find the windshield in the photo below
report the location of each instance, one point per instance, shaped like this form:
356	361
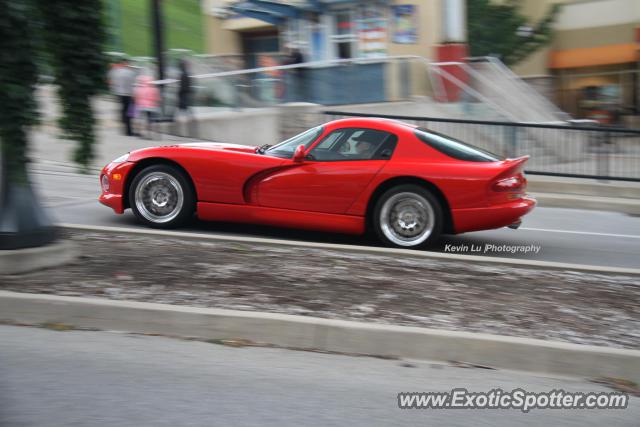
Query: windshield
455	148
285	149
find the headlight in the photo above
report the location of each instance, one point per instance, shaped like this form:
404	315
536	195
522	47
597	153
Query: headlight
104	181
121	159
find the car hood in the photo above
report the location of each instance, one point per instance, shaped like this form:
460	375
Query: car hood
218	146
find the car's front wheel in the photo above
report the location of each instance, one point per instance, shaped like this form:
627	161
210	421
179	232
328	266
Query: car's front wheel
161	196
408	216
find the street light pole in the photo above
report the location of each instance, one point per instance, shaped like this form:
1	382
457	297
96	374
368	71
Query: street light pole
158	46
158	36
115	27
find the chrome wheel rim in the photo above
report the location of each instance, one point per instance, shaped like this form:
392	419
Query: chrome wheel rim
407	219
159	197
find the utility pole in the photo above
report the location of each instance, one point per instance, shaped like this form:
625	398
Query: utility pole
158	35
115	25
158	45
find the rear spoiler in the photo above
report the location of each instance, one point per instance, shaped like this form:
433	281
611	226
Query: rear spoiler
513	165
517	161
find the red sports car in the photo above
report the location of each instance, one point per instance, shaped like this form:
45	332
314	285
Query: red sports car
404	183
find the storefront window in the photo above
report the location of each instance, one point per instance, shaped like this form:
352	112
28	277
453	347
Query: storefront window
372	30
343	36
318	43
359	31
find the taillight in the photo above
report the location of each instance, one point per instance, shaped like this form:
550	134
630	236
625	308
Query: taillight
511	183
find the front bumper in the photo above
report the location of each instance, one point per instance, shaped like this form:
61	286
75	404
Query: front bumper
490	217
116	174
114	201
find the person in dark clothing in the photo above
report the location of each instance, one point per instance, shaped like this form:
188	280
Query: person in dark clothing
297	77
122	79
296	57
184	92
184	99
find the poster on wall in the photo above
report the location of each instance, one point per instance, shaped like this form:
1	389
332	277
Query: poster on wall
405	23
371	32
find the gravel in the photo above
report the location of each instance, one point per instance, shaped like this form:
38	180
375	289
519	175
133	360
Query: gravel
561	305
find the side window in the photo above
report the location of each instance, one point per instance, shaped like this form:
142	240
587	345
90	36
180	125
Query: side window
354	144
285	149
330	140
454	148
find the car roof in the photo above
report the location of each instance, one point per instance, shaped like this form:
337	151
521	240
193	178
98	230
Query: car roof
371	122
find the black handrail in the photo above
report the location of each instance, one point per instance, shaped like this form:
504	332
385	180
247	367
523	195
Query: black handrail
486	122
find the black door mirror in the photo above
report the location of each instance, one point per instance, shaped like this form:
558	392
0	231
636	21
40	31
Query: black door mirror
386	154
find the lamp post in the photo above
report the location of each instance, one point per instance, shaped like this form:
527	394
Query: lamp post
158	36
157	26
115	27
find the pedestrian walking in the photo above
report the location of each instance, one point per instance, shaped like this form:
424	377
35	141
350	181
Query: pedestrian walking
185	93
147	102
122	79
296	76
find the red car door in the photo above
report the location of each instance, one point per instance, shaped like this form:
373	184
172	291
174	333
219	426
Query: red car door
336	172
329	187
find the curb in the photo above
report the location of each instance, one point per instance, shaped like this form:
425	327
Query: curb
366	249
583	187
300	332
598	203
30	259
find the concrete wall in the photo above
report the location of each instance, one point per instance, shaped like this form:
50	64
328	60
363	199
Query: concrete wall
429	28
219	40
577	38
251	126
544	85
536	63
254	126
594	14
580	24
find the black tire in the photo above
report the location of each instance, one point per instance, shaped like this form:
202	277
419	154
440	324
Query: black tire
169	185
419	206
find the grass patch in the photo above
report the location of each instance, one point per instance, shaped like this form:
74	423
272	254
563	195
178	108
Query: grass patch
183	23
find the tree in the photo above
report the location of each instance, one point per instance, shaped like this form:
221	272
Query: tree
71	31
499	29
74	37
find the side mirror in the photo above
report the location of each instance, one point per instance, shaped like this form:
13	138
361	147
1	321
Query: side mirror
386	154
299	154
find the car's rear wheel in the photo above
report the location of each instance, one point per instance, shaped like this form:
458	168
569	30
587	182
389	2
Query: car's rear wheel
408	216
161	196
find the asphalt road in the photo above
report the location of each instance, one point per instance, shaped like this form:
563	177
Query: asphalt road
75	378
563	235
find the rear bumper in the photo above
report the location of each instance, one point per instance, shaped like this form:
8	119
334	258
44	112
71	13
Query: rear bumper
490	217
114	201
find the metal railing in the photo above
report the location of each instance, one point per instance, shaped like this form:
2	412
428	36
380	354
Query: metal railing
340	82
502	83
597	152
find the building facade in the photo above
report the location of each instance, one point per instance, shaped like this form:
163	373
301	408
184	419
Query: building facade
334	29
590	69
266	32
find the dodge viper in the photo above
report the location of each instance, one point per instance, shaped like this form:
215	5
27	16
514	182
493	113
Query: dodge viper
406	184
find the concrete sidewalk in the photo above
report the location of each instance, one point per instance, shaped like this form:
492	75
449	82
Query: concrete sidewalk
315	334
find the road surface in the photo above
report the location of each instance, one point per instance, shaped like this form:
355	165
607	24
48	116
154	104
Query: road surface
563	235
79	378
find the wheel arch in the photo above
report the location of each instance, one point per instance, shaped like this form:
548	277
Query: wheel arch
427	185
150	161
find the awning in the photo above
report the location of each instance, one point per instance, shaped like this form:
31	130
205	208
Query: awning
271	11
251	10
245	24
594	56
